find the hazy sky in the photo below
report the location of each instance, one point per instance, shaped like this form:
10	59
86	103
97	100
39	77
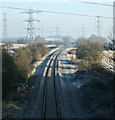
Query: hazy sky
68	24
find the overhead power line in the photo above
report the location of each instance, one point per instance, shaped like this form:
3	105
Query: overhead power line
75	14
92	3
13	8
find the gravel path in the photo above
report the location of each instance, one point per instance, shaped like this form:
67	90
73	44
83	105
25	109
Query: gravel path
71	106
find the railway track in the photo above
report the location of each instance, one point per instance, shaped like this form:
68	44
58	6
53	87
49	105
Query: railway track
42	101
49	92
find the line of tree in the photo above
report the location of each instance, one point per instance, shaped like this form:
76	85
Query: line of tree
16	66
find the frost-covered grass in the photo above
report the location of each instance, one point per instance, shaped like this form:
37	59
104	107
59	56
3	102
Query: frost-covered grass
108	60
97	92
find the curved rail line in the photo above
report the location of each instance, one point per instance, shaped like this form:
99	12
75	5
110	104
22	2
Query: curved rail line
34	109
52	61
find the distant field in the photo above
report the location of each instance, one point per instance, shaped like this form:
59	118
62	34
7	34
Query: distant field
16	46
50	46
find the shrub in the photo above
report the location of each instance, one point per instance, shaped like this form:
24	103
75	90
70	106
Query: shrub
91	53
23	59
41	48
35	53
9	73
16	66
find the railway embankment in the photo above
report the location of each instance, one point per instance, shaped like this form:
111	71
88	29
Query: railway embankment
15	107
96	87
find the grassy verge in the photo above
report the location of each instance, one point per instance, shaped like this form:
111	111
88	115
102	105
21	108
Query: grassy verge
97	92
16	104
97	82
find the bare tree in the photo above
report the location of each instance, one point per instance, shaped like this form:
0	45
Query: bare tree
66	41
112	42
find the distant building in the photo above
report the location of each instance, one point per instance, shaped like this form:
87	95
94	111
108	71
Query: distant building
114	20
53	39
50	39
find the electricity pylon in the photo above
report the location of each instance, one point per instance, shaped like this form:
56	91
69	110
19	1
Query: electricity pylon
30	27
5	28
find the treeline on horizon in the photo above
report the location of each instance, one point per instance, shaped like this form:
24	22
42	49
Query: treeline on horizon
16	66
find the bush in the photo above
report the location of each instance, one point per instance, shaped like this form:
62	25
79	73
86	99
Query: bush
91	53
9	73
23	59
41	49
17	66
35	53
